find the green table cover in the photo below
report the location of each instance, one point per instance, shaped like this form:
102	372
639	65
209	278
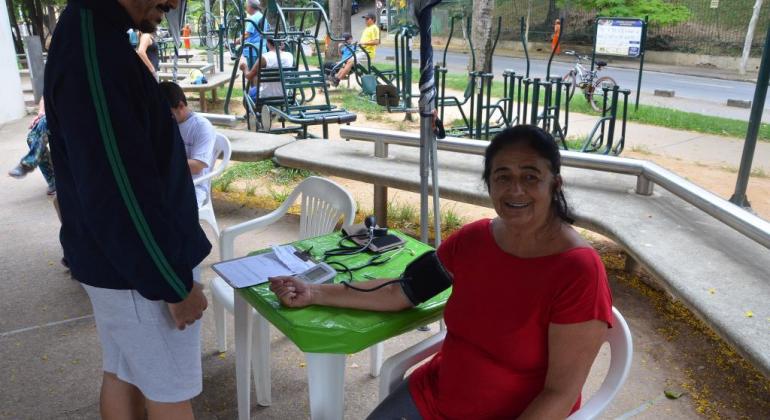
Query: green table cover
322	329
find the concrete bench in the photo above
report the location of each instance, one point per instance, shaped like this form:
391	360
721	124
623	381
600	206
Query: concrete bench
220	119
719	273
249	146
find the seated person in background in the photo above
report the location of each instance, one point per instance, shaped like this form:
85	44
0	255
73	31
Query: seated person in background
269	60
530	303
370	39
198	136
346	49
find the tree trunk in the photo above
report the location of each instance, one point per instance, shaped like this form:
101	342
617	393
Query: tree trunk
481	34
15	32
35	17
50	21
750	36
339	14
552	15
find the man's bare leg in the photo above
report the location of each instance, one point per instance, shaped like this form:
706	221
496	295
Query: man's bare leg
171	411
120	400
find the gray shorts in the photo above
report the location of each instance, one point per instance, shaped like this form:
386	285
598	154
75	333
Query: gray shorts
142	346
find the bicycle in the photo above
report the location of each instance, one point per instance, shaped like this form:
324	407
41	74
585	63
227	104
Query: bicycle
588	81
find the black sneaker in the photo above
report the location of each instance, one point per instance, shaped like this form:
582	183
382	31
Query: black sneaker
20	171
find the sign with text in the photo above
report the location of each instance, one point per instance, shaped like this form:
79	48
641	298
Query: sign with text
621	37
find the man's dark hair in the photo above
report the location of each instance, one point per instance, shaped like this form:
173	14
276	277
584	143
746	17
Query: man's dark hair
173	94
544	145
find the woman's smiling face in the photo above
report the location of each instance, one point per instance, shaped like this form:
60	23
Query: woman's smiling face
521	187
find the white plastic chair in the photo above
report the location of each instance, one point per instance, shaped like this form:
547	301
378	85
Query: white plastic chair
323	203
621	353
221	148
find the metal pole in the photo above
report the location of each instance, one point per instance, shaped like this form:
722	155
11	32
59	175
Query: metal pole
755	119
523	32
641	63
428	151
593	50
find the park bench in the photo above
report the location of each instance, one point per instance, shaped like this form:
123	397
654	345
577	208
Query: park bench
722	275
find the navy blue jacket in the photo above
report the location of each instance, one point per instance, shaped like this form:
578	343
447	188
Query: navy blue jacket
129	214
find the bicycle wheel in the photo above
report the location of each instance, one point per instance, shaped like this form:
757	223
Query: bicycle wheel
596	96
208	31
569	81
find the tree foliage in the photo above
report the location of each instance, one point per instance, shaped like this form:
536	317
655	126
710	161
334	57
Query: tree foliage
660	12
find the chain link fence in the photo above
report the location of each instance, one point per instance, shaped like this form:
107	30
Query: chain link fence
708	30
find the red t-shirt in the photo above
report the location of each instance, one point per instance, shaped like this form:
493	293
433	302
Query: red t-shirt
494	359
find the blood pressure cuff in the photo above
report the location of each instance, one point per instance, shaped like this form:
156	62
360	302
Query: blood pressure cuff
424	278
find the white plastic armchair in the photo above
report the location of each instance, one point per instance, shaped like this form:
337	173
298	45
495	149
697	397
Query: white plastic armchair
621	353
323	203
222	150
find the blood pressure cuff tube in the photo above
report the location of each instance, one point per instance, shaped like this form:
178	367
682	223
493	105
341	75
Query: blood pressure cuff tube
424	278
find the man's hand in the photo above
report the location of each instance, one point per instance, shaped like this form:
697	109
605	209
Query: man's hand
291	291
189	310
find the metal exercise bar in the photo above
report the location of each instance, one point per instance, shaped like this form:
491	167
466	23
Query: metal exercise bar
647	174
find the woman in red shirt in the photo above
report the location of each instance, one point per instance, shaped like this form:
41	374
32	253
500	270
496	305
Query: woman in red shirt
530	302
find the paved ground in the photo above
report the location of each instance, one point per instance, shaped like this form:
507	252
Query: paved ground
50	361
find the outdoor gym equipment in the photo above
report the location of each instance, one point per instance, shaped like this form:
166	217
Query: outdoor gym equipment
603	132
299	83
484	117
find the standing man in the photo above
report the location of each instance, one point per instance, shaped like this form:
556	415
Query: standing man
130	227
370	39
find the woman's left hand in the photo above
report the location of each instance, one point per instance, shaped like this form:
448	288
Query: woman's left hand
291	291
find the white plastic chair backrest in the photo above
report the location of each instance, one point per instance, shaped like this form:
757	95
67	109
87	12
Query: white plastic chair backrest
621	353
223	151
221	148
323	203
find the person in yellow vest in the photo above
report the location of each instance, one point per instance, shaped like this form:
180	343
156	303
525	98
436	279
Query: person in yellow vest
370	39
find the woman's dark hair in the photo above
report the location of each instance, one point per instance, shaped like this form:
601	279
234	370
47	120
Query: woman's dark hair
544	145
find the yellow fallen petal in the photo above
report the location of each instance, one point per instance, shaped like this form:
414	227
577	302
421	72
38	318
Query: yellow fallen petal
712	291
222	355
748	314
302	364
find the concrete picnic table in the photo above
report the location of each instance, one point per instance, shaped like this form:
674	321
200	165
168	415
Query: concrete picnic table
214	82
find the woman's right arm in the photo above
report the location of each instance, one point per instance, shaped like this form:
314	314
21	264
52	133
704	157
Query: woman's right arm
145	40
295	293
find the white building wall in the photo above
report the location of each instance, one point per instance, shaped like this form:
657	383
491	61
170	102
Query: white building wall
12	102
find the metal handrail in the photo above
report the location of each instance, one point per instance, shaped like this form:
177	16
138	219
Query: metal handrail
648	174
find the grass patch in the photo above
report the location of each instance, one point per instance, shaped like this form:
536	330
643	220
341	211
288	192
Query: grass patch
242	170
252	170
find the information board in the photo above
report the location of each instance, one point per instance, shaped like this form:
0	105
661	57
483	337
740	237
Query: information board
621	37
